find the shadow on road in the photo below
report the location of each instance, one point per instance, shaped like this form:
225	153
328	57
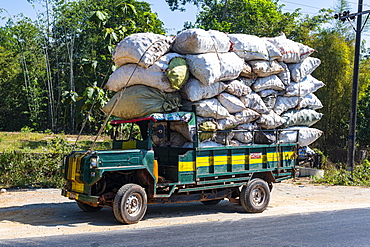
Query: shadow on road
69	214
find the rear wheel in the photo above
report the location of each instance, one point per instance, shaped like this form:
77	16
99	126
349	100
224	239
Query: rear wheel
130	204
88	208
211	202
255	196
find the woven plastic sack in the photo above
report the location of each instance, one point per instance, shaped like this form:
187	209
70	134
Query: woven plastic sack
284	76
211	108
310	101
267	92
291	51
141	48
306	135
224	138
207	126
283	104
299	71
139	100
270	120
302	117
264	137
253	101
270	101
247	71
237	88
231	103
308	85
271	82
194	90
227	123
211	67
249	47
197	41
245	135
177	72
266	68
131	74
246	116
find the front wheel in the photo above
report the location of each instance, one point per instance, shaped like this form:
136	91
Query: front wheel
130	204
255	196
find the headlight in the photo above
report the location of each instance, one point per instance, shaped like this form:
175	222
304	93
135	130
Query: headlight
93	162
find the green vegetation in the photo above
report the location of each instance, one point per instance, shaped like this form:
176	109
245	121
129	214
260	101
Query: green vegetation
33	159
340	176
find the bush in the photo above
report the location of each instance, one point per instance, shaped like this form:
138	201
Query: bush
26	170
340	176
34	170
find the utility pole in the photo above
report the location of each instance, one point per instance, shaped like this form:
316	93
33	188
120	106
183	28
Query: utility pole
353	117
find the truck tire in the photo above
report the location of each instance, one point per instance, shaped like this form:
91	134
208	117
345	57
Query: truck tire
255	196
130	204
88	208
211	202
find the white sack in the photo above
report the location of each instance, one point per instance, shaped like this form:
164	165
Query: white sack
270	82
299	71
224	137
284	76
141	48
131	74
247	71
306	135
267	92
237	88
211	108
227	123
291	51
231	103
270	121
266	68
246	116
308	85
249	47
310	101
254	102
194	90
197	41
245	136
302	117
212	67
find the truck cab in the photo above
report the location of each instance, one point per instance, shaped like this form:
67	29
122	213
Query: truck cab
160	159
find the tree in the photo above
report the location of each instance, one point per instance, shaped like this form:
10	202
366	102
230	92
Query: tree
62	59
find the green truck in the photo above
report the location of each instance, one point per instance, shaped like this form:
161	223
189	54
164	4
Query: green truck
138	171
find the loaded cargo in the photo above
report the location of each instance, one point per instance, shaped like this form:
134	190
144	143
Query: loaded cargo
203	116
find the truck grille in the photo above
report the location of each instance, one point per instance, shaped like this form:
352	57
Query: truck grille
74	172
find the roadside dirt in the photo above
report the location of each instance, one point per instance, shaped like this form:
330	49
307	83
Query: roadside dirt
44	212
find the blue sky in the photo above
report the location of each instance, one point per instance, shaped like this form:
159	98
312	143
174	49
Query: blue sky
174	20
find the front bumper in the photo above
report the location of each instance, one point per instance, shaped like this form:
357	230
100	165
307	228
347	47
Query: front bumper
80	197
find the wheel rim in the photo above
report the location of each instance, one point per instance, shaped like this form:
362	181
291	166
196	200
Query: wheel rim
258	196
133	204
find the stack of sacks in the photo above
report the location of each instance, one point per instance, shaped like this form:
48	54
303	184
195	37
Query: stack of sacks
148	75
238	81
274	88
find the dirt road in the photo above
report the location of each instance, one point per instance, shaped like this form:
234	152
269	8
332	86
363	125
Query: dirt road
43	212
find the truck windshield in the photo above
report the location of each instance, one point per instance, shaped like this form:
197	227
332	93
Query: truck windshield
130	131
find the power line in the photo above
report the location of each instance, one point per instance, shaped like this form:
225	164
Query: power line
304	5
